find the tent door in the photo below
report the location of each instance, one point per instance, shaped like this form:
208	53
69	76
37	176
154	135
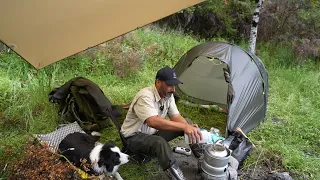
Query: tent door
204	82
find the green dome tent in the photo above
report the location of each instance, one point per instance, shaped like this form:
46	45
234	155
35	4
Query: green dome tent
222	74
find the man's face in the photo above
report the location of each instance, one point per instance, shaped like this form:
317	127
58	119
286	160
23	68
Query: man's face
165	90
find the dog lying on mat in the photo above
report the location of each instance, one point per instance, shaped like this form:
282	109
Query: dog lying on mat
103	158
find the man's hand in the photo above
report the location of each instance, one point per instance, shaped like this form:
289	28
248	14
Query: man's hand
194	134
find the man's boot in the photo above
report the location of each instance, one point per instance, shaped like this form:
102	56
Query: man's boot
174	172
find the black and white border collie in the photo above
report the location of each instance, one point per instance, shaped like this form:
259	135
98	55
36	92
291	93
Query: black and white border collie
103	158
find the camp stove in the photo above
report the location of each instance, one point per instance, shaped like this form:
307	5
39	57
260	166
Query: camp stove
213	163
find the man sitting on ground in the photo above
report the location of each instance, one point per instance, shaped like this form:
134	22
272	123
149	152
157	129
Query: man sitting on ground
147	131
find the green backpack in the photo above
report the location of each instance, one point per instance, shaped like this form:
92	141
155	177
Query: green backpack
83	101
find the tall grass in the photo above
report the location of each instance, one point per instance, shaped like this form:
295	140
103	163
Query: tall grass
124	65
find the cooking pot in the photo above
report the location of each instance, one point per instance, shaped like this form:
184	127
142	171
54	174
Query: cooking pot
216	155
213	171
214	161
217	150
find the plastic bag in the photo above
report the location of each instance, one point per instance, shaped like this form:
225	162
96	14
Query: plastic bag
240	145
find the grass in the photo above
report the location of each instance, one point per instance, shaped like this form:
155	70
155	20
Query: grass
290	133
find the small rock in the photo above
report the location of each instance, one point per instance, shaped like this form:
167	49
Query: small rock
281	176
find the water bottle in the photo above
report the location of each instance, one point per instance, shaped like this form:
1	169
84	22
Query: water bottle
215	135
215	131
206	137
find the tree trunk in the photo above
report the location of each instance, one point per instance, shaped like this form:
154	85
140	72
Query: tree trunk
254	27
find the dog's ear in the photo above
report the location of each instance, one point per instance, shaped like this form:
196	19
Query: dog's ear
103	159
109	167
101	162
106	161
106	157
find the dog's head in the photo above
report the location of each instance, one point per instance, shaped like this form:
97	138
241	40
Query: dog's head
111	158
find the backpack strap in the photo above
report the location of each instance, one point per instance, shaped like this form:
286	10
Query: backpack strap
116	123
140	158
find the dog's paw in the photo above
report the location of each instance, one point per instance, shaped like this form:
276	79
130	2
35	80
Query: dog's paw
96	134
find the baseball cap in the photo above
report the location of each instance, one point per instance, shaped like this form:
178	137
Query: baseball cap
168	75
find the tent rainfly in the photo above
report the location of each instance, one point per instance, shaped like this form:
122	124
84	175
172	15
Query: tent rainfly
43	32
219	73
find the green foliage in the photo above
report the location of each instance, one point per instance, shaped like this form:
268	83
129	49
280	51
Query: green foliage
287	21
231	14
214	18
275	56
311	15
281	22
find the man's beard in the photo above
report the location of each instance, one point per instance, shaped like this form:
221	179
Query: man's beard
165	94
168	95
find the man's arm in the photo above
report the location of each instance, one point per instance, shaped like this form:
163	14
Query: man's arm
146	111
160	123
174	114
177	118
163	124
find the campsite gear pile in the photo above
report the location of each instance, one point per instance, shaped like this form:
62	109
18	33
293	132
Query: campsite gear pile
222	159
